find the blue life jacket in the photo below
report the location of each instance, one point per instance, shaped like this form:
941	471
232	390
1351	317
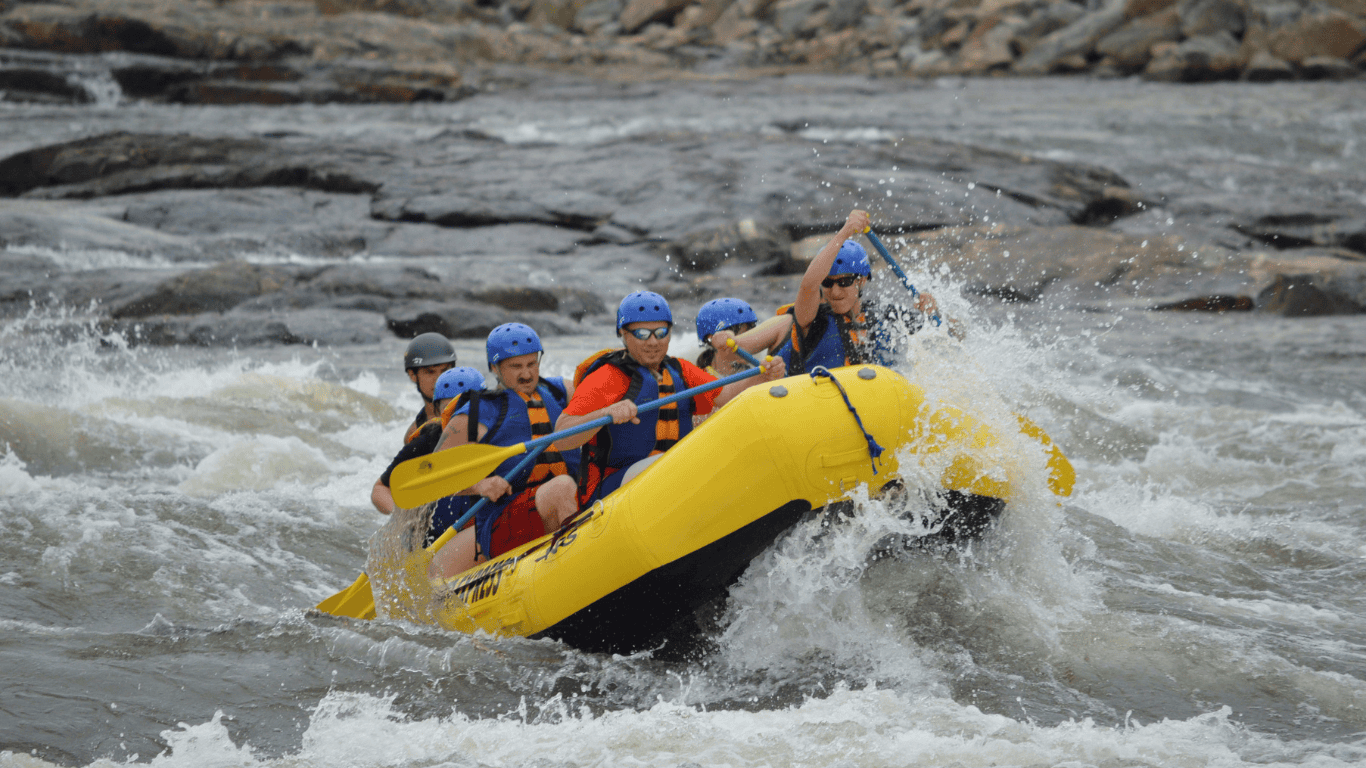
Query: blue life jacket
621	445
832	341
506	417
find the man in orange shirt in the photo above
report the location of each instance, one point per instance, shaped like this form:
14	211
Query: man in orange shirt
613	383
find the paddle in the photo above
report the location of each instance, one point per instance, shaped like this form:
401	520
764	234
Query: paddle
887	257
427	478
358	600
743	353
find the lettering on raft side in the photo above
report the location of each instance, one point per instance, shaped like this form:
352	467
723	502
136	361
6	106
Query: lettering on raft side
484	582
567	535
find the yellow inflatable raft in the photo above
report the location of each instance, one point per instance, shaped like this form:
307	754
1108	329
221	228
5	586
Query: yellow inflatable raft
622	574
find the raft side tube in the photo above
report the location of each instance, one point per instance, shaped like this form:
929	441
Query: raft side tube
677	535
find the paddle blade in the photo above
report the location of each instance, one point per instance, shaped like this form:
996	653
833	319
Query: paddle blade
356	601
1061	475
427	478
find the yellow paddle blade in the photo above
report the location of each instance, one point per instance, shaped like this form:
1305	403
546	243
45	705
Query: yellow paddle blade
427	478
356	601
1061	475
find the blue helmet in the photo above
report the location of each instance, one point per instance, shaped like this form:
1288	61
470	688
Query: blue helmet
457	381
720	314
643	307
851	260
511	340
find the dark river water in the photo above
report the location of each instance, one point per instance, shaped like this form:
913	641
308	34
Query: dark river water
169	516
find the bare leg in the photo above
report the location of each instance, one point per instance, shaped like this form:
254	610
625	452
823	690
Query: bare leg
457	556
557	501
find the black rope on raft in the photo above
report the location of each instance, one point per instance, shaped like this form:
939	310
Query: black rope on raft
874	450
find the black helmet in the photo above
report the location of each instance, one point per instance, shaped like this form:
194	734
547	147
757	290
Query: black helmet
428	349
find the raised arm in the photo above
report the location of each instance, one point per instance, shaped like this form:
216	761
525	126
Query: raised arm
809	293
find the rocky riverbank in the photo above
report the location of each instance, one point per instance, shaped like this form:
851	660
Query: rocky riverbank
269	237
348	51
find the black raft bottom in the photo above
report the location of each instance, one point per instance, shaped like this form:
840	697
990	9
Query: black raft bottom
660	610
657	606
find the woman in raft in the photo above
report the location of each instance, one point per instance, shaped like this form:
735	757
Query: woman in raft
829	325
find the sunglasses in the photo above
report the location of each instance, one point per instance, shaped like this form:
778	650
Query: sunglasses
843	281
645	333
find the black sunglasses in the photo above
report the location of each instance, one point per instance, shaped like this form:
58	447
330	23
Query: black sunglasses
645	333
843	281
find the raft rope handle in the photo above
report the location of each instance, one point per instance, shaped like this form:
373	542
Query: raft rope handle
874	450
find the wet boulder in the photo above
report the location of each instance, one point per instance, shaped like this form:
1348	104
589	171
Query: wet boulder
38	85
452	319
1219	303
121	163
1326	227
575	209
1196	60
1026	263
1263	67
754	247
335	326
1130	47
519	298
1311	295
1076	39
578	303
390	281
1210	17
74	227
216	289
1319	31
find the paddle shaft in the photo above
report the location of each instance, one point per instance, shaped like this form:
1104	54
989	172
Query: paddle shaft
483	501
743	353
891	262
428	478
604	421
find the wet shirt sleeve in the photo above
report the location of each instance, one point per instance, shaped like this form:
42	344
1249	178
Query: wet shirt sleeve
600	389
695	377
425	442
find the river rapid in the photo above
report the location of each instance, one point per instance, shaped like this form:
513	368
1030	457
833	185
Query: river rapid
168	516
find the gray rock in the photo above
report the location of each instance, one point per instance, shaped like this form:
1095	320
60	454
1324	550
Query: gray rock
1209	17
846	13
334	326
594	15
577	303
202	330
38	85
1334	229
72	227
1077	38
454	320
463	209
759	247
1307	295
1266	68
276	220
121	163
1044	21
790	15
1220	303
393	281
519	298
1130	46
218	288
1328	68
1197	59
